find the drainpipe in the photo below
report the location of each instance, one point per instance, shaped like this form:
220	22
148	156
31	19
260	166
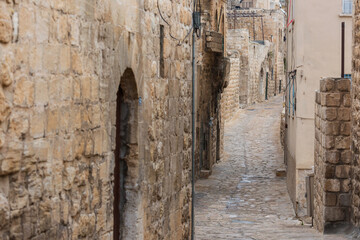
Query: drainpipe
193	137
266	88
196	26
342	49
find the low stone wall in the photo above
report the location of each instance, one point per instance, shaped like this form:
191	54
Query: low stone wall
332	153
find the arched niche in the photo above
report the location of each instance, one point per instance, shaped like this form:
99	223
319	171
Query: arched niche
126	172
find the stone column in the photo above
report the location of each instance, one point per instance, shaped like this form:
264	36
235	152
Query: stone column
332	153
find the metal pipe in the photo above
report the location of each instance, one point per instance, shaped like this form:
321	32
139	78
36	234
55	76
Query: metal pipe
266	84
254	27
262	28
193	131
342	49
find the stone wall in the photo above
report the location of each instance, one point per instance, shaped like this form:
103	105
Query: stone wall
260	61
260	64
265	25
355	128
62	63
231	95
332	153
238	43
211	81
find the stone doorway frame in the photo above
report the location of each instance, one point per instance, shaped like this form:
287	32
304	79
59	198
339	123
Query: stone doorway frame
126	170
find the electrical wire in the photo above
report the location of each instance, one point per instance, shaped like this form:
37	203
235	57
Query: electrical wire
291	83
180	42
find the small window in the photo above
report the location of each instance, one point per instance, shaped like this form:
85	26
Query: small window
348	76
162	36
347	6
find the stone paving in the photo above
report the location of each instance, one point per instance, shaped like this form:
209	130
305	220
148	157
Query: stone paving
243	199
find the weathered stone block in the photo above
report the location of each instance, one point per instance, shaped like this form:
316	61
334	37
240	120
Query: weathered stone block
332	157
344	114
328	141
64	60
330	128
327	84
51	58
333	214
346	100
318	97
10	163
52	121
346	157
345	128
317	134
41	92
5	109
331	99
342	142
5	25
342	171
329	114
329	171
76	61
332	185
345	200
343	85
19	124
345	185
330	199
6	76
24	92
26	23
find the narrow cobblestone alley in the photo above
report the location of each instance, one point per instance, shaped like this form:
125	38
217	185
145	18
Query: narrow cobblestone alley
243	199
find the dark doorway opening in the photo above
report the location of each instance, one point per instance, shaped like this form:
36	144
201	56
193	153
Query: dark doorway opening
218	142
126	221
120	173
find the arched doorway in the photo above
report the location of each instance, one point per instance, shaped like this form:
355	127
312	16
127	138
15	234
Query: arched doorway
126	169
261	85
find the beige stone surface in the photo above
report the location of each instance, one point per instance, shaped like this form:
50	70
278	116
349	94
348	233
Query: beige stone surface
355	116
332	144
258	42
61	65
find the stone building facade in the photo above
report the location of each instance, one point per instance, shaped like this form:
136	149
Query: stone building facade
255	45
95	119
337	196
305	67
355	117
332	198
213	68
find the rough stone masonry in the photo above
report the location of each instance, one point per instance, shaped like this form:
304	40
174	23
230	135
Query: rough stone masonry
332	153
256	49
61	64
355	120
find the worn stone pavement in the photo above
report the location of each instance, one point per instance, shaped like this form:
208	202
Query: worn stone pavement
243	199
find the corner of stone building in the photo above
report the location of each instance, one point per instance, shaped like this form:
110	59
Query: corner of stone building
332	154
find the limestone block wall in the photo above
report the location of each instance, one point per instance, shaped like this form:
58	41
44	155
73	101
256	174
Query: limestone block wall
332	153
260	64
259	60
61	65
266	25
238	43
231	96
210	85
